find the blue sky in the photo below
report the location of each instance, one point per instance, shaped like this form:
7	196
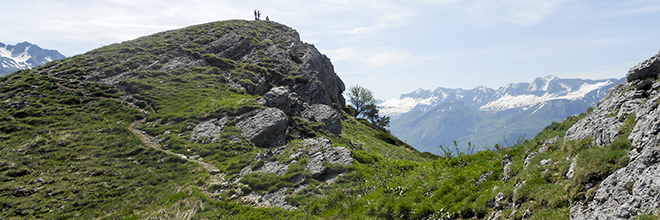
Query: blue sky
390	47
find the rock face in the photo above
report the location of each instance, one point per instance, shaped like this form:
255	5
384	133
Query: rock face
644	70
283	99
326	114
264	128
634	189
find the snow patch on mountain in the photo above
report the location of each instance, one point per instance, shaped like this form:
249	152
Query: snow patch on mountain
515	95
525	101
24	56
396	107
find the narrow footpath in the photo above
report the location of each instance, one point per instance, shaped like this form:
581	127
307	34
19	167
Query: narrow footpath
210	168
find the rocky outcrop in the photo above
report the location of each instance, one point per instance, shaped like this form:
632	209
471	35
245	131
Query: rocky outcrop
212	128
324	86
644	70
321	152
601	124
634	189
326	114
283	99
264	128
318	152
506	163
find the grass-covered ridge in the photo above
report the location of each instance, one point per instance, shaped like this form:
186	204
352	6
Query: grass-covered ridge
67	151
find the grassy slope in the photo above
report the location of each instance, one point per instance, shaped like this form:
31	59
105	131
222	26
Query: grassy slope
70	154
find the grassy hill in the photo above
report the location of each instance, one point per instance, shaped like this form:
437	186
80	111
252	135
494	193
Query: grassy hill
108	135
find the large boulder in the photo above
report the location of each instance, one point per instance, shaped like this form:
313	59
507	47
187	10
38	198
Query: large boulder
326	114
264	128
648	69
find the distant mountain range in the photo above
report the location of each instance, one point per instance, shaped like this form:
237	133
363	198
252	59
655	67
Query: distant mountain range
484	116
24	56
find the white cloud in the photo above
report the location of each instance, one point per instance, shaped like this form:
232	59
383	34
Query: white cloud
342	54
372	58
384	58
487	13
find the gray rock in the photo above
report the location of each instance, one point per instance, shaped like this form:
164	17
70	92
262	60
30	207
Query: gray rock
570	174
601	125
326	114
324	86
321	151
515	191
528	160
506	159
634	189
507	170
644	70
495	215
179	63
266	128
546	162
506	162
548	142
283	99
211	128
527	215
315	165
483	178
498	202
267	167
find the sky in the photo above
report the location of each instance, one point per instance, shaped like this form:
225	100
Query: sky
389	47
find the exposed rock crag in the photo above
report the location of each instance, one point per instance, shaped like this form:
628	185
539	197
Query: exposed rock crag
634	189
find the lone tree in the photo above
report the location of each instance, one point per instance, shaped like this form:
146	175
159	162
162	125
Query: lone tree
361	98
365	104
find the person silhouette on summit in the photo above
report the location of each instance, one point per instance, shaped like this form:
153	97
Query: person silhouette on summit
258	15
267	18
255	15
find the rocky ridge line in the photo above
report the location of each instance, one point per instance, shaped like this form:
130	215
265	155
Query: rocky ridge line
634	189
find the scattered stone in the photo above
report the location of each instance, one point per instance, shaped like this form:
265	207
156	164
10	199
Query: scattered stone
495	215
22	192
506	159
498	202
546	162
527	215
528	160
506	162
549	142
483	178
571	170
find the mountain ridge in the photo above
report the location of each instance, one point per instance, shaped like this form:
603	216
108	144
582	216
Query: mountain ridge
494	119
24	55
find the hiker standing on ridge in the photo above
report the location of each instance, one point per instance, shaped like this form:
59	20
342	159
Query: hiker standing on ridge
258	15
267	18
255	15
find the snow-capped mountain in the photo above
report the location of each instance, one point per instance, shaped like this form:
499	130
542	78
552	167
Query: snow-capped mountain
421	117
24	56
